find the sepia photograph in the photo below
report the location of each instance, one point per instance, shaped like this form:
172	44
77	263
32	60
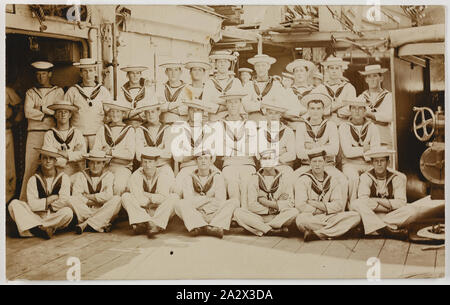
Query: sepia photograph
218	142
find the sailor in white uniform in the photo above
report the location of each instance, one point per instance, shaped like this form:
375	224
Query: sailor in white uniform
88	96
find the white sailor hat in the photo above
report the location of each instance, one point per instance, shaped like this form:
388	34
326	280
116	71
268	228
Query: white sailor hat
134	68
373	69
273	104
151	153
316	152
198	63
316	96
300	63
268	158
117	104
172	63
335	61
97	155
379	152
202	105
145	105
222	55
262	58
230	95
63	104
48	151
357	102
248	70
42	65
85	63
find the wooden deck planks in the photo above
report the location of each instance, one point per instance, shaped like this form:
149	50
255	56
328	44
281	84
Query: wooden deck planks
291	244
419	263
364	249
45	251
439	268
35	259
338	249
393	257
59	266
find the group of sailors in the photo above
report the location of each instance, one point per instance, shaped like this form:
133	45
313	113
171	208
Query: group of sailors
316	162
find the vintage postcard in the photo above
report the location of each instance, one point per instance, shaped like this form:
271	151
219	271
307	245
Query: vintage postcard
179	142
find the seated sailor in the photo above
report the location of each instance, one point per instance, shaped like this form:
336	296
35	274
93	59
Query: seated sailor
92	198
318	197
382	201
270	205
149	204
204	208
47	193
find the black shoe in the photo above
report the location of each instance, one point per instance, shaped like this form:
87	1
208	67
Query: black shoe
310	236
214	231
140	228
398	234
45	233
283	232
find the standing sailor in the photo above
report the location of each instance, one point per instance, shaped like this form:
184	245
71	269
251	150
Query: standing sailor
245	75
171	93
270	204
301	69
66	139
339	89
221	82
48	193
13	115
263	87
357	136
37	100
88	96
134	90
149	204
92	197
379	101
198	69
317	79
204	208
318	198
117	140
